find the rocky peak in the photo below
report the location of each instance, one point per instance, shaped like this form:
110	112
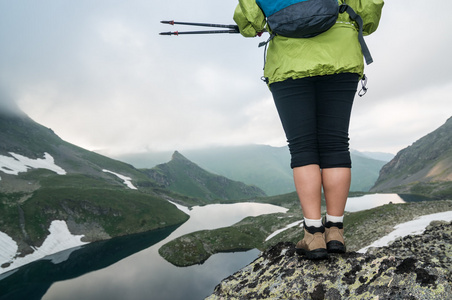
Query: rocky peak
414	267
177	156
177	159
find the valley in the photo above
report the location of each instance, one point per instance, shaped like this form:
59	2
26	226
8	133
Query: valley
55	195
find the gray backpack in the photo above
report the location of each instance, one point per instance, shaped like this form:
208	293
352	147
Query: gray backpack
307	18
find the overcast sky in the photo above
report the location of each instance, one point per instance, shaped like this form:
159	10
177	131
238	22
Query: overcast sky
99	75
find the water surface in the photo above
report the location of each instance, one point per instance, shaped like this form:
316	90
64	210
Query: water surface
131	268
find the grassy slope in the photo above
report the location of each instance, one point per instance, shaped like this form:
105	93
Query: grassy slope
99	209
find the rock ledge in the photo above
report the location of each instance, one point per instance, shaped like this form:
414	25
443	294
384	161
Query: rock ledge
414	267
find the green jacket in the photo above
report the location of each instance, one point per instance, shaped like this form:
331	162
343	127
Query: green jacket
334	51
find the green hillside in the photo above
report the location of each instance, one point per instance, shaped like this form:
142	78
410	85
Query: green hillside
93	202
183	176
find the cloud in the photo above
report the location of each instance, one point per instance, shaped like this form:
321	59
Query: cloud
101	77
7	105
401	120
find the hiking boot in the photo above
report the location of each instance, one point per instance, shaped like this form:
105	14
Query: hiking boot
313	243
334	237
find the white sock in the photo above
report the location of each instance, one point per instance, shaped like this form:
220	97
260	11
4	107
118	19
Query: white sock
335	219
313	222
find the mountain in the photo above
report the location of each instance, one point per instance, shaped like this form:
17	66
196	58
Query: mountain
423	168
365	170
261	165
43	179
51	190
183	176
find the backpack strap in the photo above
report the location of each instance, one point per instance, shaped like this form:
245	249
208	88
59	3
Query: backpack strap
272	35
357	18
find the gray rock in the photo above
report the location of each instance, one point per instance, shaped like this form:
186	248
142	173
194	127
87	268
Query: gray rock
414	267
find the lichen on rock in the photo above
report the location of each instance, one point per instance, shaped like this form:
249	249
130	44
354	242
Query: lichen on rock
414	267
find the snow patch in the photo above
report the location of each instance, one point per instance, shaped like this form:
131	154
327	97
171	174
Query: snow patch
18	163
297	223
416	226
59	239
127	180
8	248
185	209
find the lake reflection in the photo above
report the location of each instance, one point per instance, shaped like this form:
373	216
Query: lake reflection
131	268
32	281
222	215
146	275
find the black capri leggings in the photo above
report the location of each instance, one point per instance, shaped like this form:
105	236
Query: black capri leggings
315	114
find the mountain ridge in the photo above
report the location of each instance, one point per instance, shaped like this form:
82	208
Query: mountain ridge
424	168
261	165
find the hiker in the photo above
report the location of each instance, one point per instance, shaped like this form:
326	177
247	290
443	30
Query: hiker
313	82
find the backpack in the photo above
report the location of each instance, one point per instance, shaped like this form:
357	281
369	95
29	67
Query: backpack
307	18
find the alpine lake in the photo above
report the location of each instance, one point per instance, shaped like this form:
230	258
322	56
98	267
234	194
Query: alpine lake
130	267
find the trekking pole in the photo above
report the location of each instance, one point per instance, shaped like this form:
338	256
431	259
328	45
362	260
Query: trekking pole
197	32
231	28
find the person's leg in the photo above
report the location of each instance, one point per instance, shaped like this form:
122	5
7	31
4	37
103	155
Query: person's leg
308	184
334	106
296	104
336	185
335	100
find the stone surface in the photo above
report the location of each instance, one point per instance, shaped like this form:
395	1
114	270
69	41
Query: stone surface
414	267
